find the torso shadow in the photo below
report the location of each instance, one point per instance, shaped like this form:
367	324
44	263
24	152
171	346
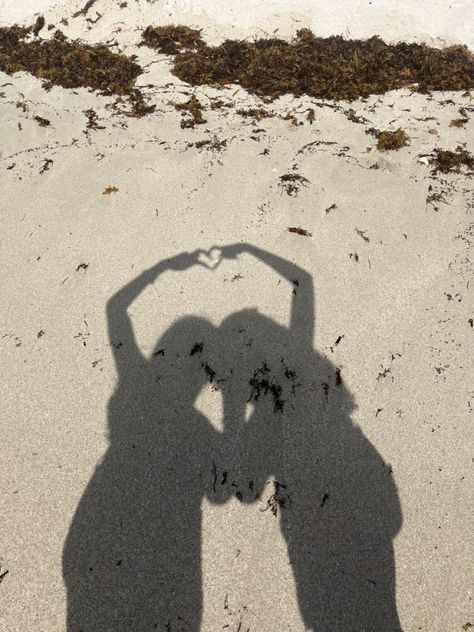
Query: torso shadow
333	493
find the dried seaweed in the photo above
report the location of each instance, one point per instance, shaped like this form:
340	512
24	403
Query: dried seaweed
42	122
171	39
109	189
300	231
263	384
68	64
447	161
89	4
139	105
458	122
38	25
92	118
292	182
392	141
325	68
256	113
310	116
193	108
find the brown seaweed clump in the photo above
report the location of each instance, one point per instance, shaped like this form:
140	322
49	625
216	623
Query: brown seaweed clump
193	108
255	113
458	122
171	39
299	231
292	182
324	68
392	141
447	161
68	64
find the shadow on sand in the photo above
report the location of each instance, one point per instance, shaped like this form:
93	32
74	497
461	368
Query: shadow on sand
132	558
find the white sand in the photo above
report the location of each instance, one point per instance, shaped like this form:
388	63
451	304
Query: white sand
403	307
434	21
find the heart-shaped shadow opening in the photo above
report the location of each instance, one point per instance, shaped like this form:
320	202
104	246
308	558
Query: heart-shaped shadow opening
210	259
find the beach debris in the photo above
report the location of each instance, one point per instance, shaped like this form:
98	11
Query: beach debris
193	108
68	64
256	113
92	118
322	67
325	386
352	115
336	343
435	197
46	165
292	182
209	372
330	208
392	141
71	64
38	25
172	39
139	105
277	499
362	234
201	143
197	348
88	5
458	122
110	189
310	115
42	122
262	384
289	116
447	161
215	145
300	231
218	104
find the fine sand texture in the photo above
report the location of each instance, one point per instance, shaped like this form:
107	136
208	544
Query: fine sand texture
236	352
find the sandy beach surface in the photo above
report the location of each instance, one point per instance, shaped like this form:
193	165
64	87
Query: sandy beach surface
382	352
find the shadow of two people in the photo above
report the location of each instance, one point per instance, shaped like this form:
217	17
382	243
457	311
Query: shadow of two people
132	558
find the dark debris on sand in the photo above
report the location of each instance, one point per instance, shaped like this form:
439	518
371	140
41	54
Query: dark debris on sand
71	64
392	141
447	161
68	64
193	110
324	68
171	39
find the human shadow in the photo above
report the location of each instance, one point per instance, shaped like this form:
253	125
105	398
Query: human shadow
132	557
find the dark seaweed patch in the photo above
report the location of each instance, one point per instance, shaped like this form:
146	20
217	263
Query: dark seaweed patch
325	68
448	161
171	39
68	64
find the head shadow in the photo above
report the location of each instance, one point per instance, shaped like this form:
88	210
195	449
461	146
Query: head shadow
132	558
